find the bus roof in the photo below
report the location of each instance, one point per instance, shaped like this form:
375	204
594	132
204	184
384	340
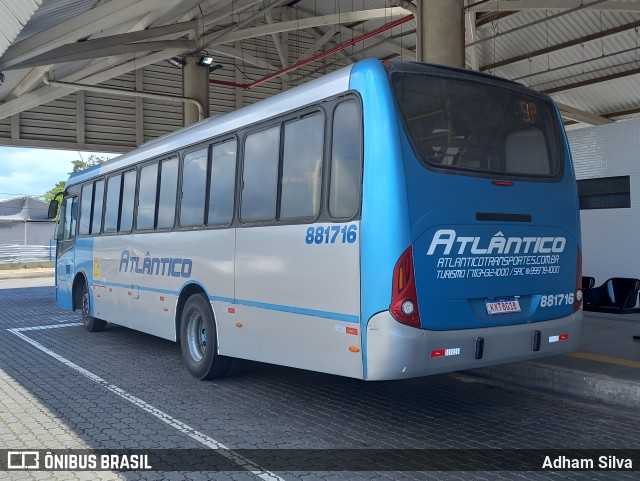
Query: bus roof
326	86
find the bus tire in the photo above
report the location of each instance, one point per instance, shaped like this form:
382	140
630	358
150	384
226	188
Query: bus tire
198	340
92	324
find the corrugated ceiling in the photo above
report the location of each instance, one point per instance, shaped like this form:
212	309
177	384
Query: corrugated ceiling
14	15
51	13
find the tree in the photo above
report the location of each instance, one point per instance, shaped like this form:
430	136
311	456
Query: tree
78	165
57	189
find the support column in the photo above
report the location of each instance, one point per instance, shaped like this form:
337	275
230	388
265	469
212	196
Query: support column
81	135
440	26
195	84
140	107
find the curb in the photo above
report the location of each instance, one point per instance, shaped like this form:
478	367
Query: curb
12	266
573	382
26	275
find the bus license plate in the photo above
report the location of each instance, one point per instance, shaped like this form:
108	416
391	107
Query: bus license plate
503	307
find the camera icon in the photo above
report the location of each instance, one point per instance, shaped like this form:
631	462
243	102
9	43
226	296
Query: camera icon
22	460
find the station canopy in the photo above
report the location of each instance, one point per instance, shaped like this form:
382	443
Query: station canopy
584	53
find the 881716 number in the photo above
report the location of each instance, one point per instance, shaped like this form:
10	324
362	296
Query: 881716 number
556	300
330	234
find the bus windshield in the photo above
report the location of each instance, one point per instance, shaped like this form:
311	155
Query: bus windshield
478	127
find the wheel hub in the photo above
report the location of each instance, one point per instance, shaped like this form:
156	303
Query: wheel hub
197	336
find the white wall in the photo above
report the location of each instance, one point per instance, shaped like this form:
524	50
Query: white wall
37	233
610	237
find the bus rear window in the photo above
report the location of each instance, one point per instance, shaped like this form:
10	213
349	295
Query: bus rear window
477	127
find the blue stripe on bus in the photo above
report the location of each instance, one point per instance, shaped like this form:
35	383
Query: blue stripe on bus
337	316
142	288
300	310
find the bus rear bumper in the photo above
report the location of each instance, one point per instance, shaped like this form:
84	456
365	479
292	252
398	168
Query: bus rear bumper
396	351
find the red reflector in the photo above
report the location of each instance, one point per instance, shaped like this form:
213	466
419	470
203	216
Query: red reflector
564	337
231	310
502	183
353	331
404	299
437	352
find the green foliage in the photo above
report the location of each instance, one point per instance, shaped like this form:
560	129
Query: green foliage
57	189
78	165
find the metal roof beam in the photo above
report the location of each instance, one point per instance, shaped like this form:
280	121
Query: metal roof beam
135	22
622	113
538	21
561	46
103	16
572	113
185	10
112	51
592	81
277	41
239	54
104	70
348	31
407	4
305	23
500	5
88	75
490	17
212	37
318	32
15	16
388	45
322	41
89	49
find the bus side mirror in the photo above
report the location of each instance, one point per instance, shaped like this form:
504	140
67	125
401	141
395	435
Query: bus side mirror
53	209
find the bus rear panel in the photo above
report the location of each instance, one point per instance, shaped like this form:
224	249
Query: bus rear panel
487	250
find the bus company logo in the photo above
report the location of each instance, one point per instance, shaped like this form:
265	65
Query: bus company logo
156	266
498	244
17	460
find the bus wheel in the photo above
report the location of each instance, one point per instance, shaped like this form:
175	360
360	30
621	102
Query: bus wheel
90	323
198	340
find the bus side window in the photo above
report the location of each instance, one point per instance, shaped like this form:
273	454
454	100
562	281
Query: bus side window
71	218
147	191
194	184
167	194
59	230
302	167
98	198
85	208
65	219
113	201
128	200
346	161
260	175
223	182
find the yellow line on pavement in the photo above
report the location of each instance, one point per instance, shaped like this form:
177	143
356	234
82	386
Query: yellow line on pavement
589	356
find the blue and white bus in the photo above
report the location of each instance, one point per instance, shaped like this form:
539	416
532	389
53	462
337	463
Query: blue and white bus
377	223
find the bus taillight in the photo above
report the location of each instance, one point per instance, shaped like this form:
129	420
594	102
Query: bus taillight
577	303
404	300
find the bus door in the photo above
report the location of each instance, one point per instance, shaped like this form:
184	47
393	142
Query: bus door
65	252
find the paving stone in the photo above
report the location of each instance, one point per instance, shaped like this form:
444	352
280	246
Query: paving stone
45	404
